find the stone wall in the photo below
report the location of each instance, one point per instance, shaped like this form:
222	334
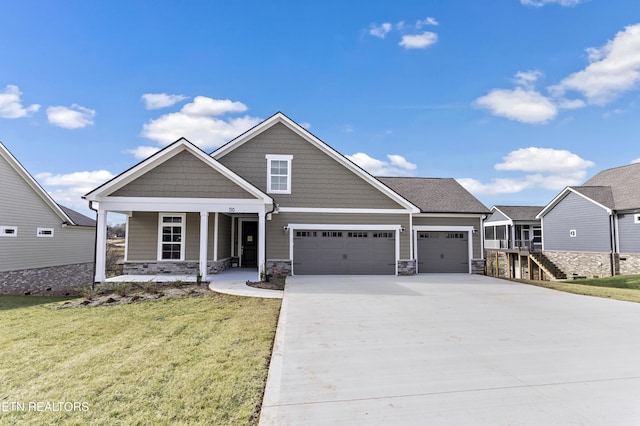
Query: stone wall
582	263
217	266
54	280
477	266
406	267
497	263
174	268
629	264
283	266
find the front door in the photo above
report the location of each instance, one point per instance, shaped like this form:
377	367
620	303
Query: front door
249	243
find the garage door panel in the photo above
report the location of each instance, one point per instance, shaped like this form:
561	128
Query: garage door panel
343	252
443	252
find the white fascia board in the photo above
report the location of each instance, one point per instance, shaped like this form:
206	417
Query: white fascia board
303	133
151	204
340	210
443	228
39	190
166	154
342	227
463	215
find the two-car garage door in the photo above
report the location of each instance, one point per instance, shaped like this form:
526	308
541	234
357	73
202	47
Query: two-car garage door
344	252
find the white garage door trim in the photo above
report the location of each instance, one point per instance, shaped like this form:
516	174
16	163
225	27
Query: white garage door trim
342	227
469	229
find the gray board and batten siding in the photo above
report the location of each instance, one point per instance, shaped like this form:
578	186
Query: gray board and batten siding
26	210
183	176
317	180
575	213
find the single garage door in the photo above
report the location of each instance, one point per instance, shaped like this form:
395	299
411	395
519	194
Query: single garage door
443	251
343	252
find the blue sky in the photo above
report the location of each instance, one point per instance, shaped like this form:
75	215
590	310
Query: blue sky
514	98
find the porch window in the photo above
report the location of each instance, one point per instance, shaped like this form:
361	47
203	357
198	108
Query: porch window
279	174
171	236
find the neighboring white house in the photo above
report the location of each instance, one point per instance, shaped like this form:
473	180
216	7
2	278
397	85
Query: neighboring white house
45	248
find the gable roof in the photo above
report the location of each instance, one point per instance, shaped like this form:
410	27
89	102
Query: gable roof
163	155
519	213
435	195
37	189
598	195
623	182
279	117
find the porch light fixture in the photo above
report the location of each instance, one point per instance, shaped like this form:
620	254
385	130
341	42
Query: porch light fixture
401	228
285	229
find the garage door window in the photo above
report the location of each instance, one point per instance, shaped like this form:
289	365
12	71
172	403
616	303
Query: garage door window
383	235
306	234
358	234
332	234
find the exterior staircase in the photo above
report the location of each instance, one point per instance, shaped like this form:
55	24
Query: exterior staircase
548	266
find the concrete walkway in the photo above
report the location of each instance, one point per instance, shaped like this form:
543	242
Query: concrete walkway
450	350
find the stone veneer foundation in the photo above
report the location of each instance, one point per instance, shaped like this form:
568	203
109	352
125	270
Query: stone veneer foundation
629	264
174	268
582	263
52	281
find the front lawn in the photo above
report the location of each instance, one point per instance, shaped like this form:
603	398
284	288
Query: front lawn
200	360
624	287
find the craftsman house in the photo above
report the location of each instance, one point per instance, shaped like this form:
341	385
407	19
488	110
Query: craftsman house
278	198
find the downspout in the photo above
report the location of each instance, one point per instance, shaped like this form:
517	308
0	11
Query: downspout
273	209
482	219
95	249
612	236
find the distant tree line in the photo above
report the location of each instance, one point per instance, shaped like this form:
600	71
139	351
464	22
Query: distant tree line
116	231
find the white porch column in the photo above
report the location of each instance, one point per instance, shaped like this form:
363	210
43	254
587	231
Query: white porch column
262	241
101	247
204	243
215	236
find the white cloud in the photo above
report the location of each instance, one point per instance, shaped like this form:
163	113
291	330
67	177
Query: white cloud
527	79
161	100
524	105
545	168
196	121
426	21
637	160
11	106
68	189
534	159
305	125
74	117
203	105
418	41
143	152
381	30
396	166
613	69
540	3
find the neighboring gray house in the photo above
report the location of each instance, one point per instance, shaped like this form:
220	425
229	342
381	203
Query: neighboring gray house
45	248
594	229
513	227
277	197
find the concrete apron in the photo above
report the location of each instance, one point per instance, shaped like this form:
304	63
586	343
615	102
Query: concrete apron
457	349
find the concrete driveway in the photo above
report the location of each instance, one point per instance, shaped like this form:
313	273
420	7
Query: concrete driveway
450	349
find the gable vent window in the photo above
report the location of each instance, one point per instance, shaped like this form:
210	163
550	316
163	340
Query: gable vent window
279	174
45	232
8	231
636	218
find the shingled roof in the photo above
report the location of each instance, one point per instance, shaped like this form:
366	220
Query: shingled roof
435	195
623	183
78	218
520	213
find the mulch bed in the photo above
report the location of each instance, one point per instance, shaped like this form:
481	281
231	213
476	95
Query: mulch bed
273	284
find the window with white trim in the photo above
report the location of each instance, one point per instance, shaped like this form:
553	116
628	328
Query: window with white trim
279	174
8	231
44	233
171	236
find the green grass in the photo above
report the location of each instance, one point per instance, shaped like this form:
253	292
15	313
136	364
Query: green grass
200	360
619	287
